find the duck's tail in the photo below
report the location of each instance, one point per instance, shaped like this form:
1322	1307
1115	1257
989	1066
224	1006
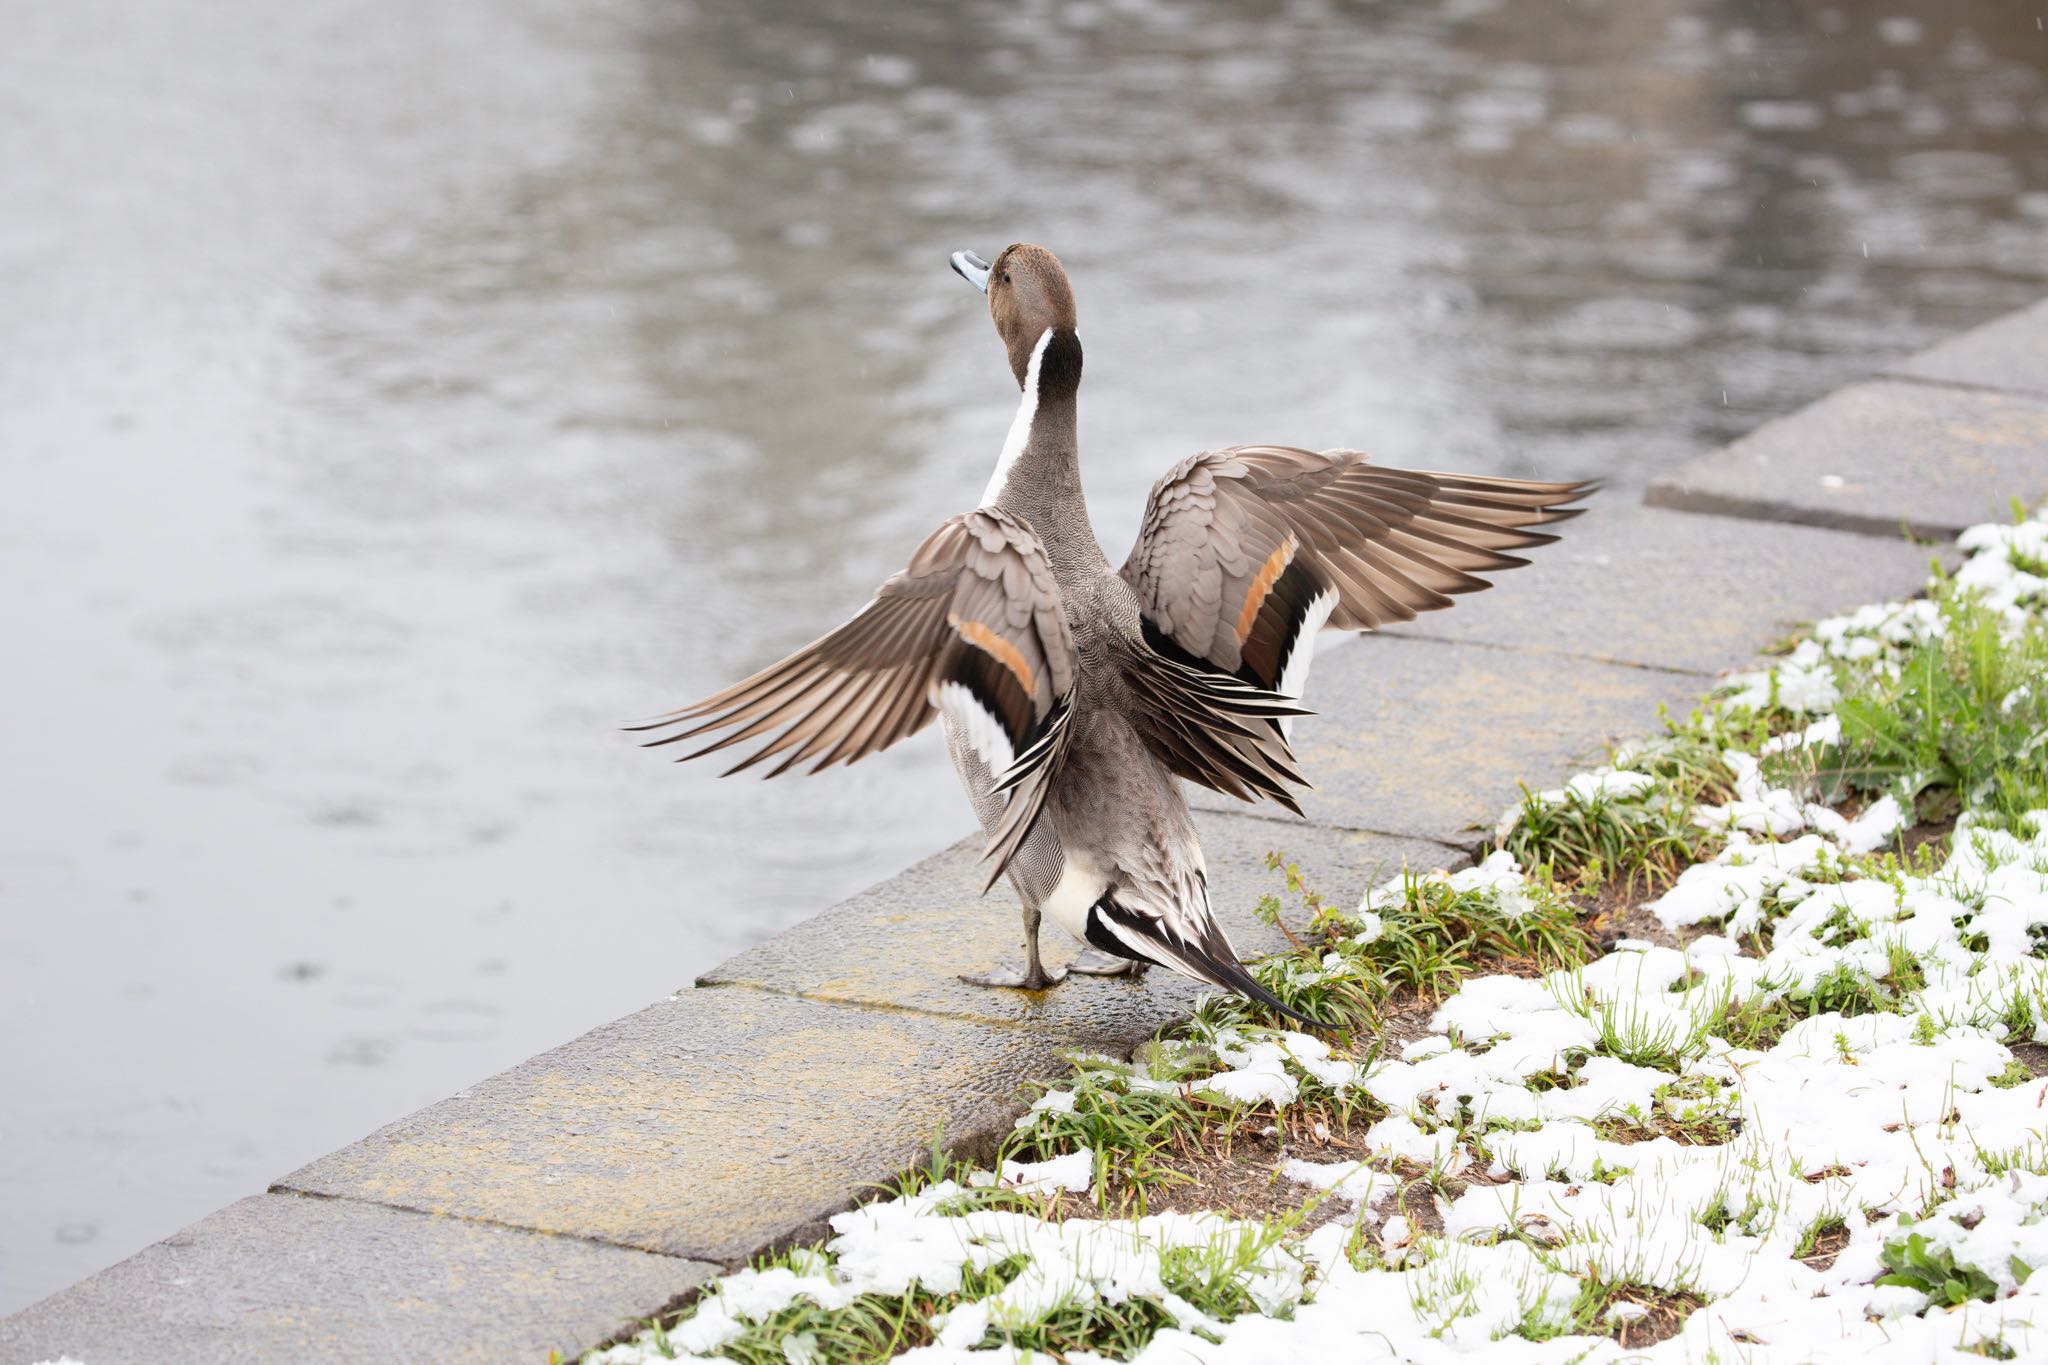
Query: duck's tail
1192	944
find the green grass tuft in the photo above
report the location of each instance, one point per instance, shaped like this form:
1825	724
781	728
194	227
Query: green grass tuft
1962	714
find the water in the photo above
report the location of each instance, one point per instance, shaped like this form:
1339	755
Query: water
395	396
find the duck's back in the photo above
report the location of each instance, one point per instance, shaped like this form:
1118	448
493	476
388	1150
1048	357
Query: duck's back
1113	802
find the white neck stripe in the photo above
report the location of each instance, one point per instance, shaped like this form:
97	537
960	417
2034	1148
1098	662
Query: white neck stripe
1020	426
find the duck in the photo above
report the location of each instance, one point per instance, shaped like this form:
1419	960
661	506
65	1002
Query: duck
1076	696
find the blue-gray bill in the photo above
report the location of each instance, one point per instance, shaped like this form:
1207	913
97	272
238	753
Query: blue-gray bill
971	268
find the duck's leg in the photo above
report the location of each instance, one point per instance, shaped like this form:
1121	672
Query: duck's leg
1095	962
1034	977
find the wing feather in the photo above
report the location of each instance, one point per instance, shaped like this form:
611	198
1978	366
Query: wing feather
974	620
1245	552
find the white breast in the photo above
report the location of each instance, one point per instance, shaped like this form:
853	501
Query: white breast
1081	884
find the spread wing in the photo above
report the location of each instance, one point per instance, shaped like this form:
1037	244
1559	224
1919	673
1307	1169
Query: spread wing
1246	553
973	626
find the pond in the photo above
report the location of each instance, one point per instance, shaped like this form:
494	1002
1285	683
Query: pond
396	397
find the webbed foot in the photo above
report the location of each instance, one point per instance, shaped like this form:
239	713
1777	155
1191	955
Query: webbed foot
1095	962
1032	978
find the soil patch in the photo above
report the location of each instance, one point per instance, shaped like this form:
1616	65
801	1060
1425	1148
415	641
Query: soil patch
1664	1319
1934	837
2032	1056
1827	1244
1616	912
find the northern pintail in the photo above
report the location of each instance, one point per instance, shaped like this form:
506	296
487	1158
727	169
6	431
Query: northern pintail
1075	695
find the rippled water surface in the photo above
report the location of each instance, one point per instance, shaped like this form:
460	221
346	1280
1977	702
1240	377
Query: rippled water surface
394	396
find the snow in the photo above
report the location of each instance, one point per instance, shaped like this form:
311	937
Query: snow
1804	683
1073	1172
1736	883
1591	1126
1255	1075
1356	1182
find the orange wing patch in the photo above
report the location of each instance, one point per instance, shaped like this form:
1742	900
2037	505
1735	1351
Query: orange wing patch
996	647
1262	584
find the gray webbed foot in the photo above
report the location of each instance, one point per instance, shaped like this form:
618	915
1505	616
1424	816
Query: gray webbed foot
1032	978
1095	962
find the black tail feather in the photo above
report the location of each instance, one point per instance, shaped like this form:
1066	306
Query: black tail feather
1233	975
1115	929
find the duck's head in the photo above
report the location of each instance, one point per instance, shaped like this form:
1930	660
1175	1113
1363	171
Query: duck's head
1028	296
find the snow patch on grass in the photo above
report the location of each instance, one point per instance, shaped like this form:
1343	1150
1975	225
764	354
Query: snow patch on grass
1581	1157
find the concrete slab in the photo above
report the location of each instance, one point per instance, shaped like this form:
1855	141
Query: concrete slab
2008	353
707	1126
1644	585
905	942
281	1277
1877	458
1427	739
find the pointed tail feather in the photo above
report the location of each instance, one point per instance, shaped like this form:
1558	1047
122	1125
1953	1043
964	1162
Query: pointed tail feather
1234	976
1206	957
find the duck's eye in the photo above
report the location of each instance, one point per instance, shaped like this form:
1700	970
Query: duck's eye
1006	277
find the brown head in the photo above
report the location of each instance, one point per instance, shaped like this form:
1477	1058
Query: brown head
1028	295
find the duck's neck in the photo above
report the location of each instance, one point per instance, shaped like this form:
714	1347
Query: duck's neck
1038	476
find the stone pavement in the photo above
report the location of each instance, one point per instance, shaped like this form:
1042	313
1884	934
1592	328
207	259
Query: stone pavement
549	1207
1884	458
283	1277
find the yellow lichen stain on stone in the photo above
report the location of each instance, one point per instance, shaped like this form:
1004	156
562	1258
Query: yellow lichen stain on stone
950	942
871	1060
702	1141
628	1195
1441	757
2019	429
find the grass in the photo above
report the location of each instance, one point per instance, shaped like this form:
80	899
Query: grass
1948	722
1349	968
1694	1111
871	1328
1643	1039
1581	842
1849	992
1429	934
2030	1157
1211	1277
1962	714
1589	838
1142	1126
1757	1022
2014	1076
875	1327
